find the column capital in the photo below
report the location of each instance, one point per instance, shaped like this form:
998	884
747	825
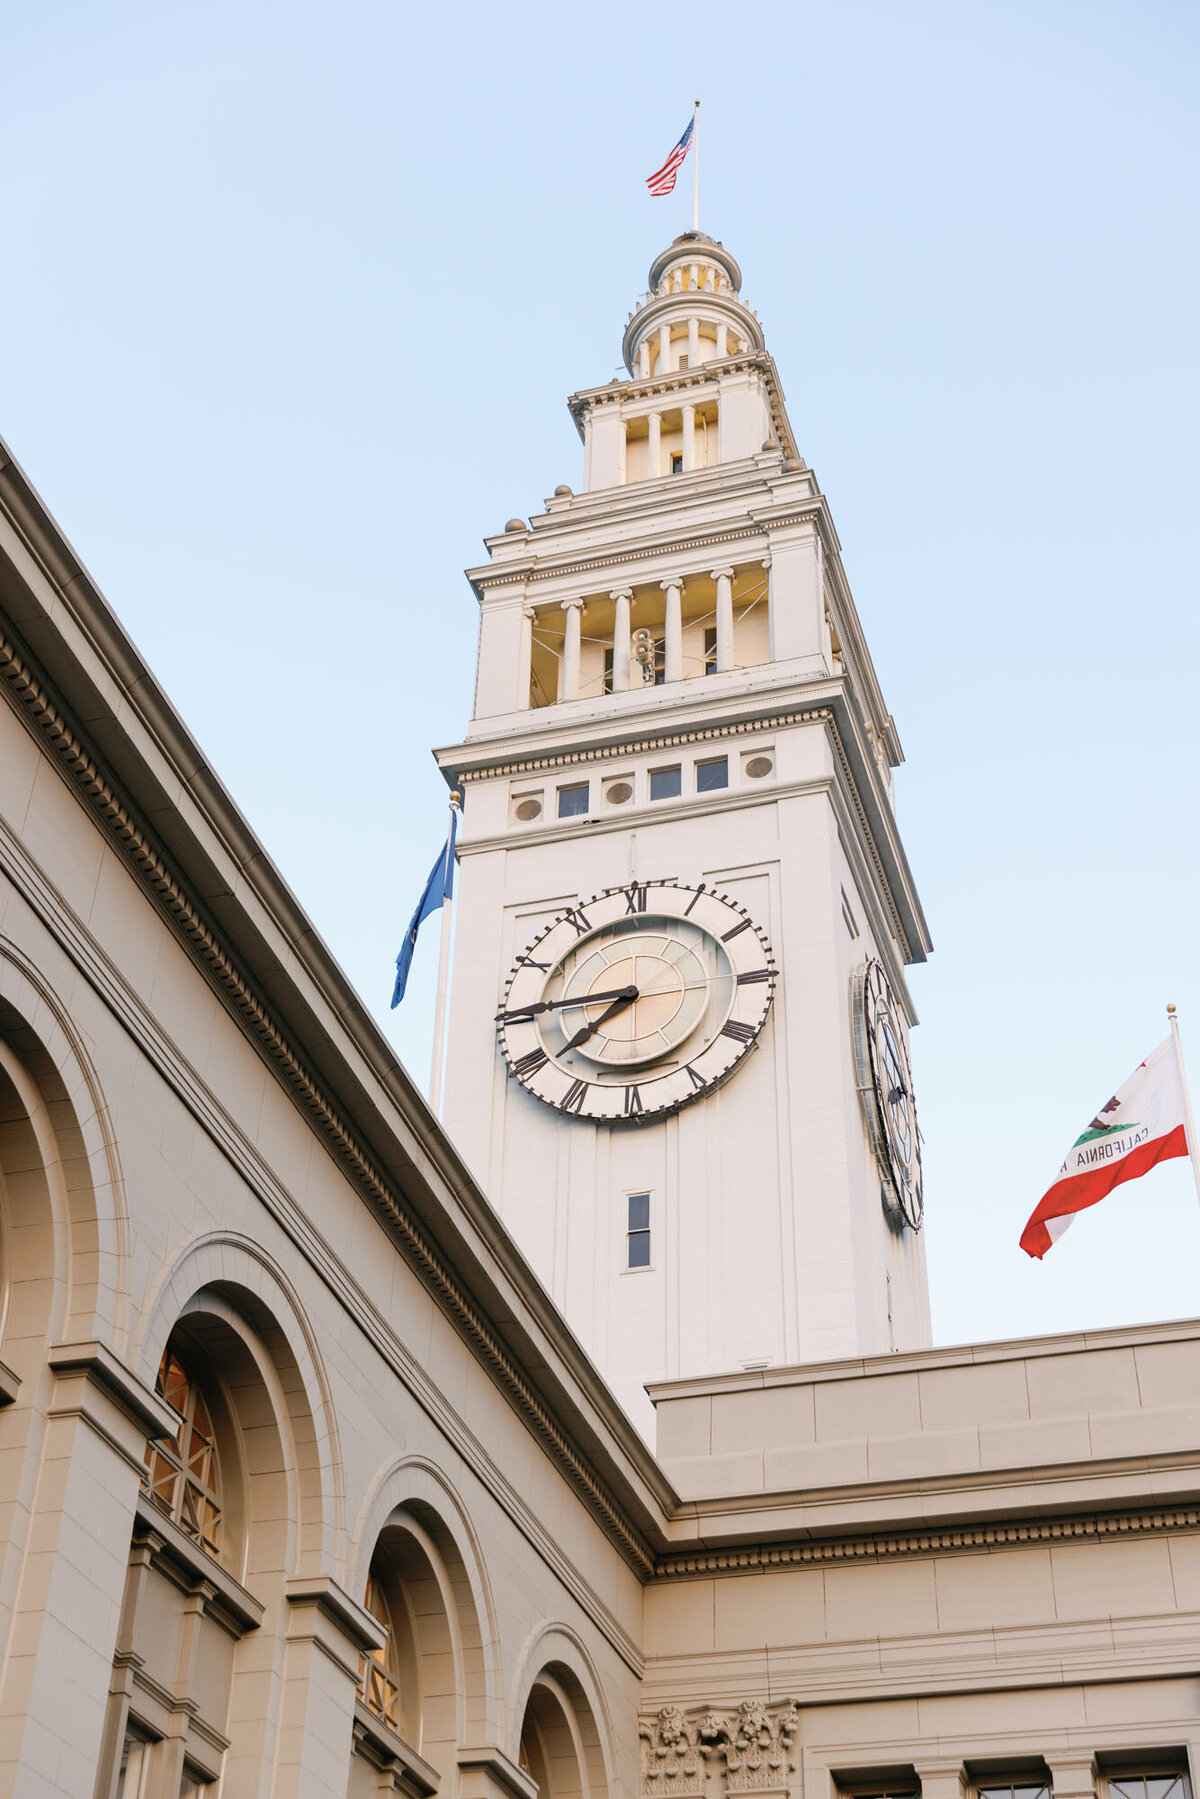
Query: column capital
576	601
621	593
722	574
687	406
1072	1775
765	561
670	582
941	1776
528	609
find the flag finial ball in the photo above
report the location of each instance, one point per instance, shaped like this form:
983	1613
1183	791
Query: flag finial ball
1170	1011
456	798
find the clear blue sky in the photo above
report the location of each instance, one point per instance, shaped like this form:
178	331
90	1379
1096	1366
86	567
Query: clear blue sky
293	298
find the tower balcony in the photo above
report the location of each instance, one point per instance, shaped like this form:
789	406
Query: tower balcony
655	634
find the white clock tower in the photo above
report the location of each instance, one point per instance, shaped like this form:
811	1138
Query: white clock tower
678	1051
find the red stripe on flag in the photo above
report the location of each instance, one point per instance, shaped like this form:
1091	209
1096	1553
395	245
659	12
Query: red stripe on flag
1079	1191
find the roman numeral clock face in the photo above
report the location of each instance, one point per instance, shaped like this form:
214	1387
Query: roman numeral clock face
637	1001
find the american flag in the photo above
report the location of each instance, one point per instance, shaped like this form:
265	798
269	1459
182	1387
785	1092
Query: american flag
664	180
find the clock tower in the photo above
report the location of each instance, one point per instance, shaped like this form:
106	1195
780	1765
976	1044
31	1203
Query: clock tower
678	1050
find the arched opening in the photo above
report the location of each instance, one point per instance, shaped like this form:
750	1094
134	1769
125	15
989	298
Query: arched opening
423	1693
217	1507
412	1684
550	1751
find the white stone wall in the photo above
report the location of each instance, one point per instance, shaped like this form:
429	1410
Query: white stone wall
155	1169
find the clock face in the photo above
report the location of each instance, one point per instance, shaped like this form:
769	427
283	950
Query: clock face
885	1086
637	1001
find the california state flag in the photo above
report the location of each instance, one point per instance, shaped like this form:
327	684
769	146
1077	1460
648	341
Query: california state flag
1141	1125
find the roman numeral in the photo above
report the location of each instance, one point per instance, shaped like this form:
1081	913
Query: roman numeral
736	930
577	1092
529	1064
694	898
741	1033
697	1080
528	962
635	897
523	1015
580	920
633	1102
753	974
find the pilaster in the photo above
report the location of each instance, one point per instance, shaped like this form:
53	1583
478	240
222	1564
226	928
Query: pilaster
327	1634
69	1601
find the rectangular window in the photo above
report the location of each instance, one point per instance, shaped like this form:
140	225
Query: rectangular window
666	783
1154	1783
573	801
710	649
134	1772
677	462
713	774
637	1234
609	659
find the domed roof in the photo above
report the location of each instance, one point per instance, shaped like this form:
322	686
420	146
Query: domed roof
693	246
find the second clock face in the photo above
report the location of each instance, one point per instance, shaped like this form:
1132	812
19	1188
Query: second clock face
637	1001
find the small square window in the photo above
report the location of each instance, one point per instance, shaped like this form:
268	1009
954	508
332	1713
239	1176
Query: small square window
713	774
573	801
666	783
637	1235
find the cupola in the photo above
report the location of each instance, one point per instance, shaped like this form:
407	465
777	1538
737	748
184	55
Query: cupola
692	312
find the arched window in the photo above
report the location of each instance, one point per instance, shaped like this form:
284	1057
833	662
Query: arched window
182	1476
378	1687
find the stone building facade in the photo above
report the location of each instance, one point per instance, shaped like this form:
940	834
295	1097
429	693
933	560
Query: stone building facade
308	1487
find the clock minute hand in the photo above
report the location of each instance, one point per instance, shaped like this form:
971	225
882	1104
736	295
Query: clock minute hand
623	999
556	1005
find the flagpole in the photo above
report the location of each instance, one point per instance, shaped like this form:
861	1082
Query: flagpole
696	168
439	1016
1189	1125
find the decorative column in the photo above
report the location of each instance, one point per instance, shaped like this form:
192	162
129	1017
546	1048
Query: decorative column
621	598
693	342
689	438
673	659
525	657
722	340
769	598
622	439
664	349
644	359
724	580
571	641
655	445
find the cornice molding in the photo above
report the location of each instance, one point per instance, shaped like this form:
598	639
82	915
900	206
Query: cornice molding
657	740
82	767
952	1540
756	526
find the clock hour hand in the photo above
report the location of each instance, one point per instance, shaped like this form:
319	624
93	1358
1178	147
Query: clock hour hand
625	998
556	1005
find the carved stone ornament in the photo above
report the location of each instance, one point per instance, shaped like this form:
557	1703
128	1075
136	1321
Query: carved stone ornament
746	1751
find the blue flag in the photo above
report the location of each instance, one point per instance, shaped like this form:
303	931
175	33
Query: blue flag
439	887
